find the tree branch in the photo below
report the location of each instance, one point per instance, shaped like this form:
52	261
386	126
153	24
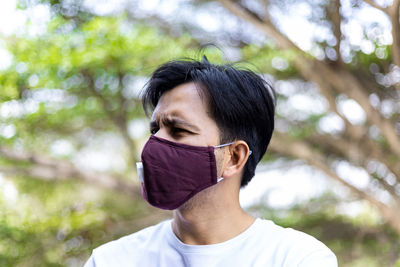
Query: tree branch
119	120
301	150
394	14
373	4
264	26
359	152
336	19
347	84
321	74
306	68
49	169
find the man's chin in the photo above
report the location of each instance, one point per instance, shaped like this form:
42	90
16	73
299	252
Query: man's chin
188	205
199	200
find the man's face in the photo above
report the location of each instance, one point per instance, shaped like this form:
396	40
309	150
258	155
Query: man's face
181	115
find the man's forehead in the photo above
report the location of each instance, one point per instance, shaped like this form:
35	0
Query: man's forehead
184	92
183	102
162	115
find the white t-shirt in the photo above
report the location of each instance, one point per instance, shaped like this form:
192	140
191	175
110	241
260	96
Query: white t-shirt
262	244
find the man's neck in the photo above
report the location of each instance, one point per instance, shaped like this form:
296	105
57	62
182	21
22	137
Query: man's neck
210	225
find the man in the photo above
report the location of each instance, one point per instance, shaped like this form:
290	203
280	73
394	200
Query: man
210	127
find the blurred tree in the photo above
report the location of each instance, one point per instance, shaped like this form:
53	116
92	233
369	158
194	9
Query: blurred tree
355	78
78	83
366	77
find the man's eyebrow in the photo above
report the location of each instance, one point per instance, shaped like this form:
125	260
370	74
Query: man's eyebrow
173	121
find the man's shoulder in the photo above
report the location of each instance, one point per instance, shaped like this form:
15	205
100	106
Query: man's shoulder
137	240
297	246
288	235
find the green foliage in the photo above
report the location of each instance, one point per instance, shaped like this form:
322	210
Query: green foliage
78	77
364	60
90	69
74	79
54	224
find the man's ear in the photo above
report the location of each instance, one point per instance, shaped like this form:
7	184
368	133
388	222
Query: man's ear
239	153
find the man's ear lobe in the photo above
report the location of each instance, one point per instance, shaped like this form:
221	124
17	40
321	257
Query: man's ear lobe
239	153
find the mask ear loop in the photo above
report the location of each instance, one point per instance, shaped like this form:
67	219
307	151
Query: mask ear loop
228	144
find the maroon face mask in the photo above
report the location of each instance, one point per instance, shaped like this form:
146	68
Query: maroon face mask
171	173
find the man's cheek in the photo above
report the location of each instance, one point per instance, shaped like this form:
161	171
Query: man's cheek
219	158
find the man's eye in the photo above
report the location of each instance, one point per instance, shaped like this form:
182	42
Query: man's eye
178	130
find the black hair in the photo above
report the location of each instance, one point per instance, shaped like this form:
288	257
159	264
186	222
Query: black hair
241	102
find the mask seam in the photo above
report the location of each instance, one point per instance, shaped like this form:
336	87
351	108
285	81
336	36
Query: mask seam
183	146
